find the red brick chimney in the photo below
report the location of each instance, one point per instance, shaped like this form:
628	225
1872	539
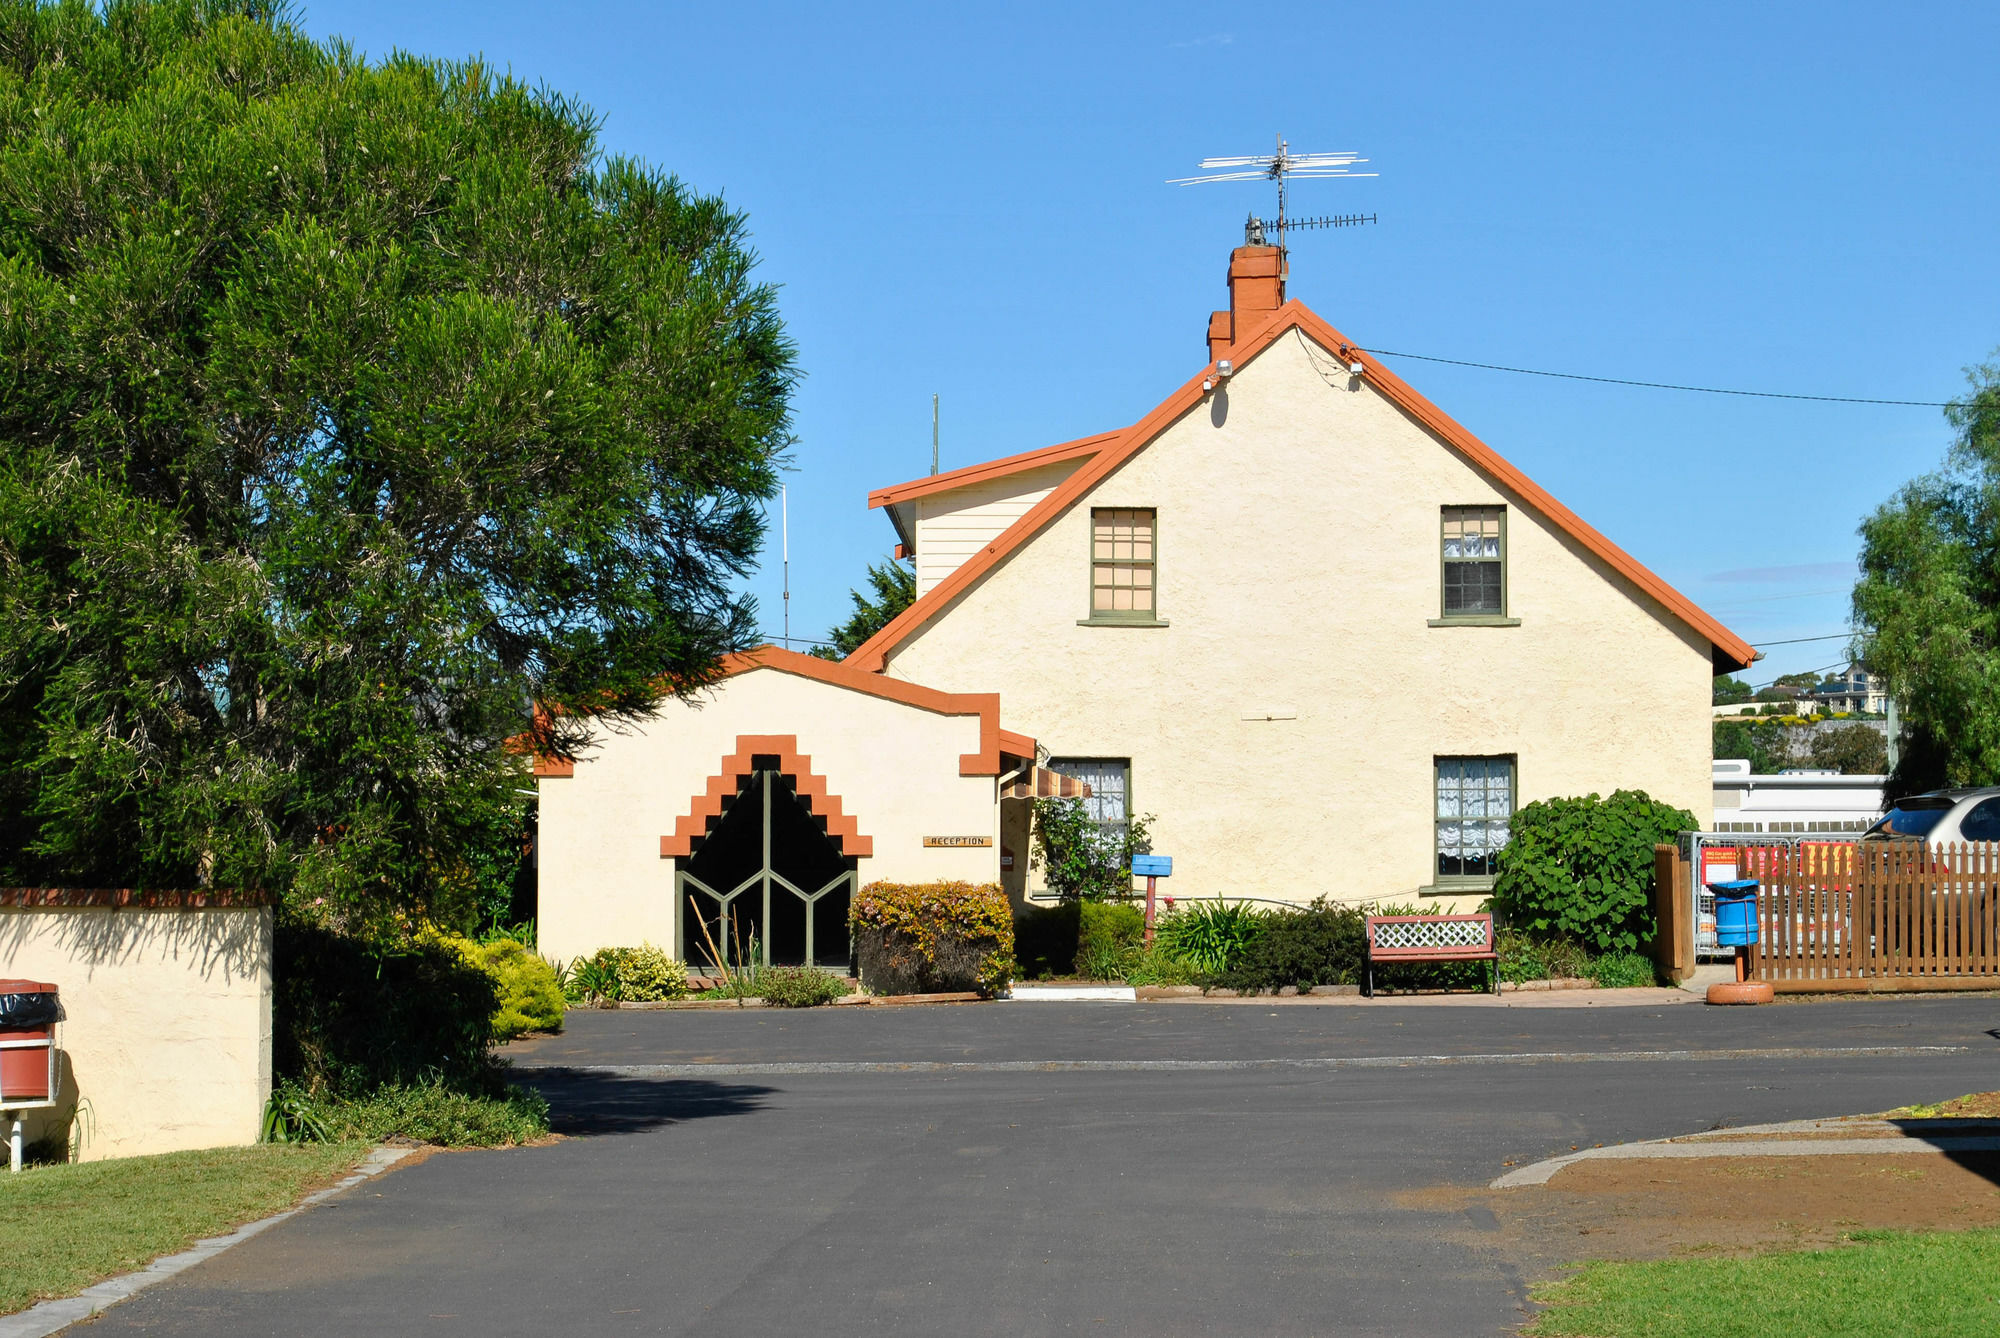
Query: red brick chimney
1256	289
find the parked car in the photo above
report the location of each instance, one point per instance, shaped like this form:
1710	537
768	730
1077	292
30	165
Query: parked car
1941	816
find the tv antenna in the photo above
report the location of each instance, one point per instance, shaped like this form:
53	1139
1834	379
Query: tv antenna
1281	167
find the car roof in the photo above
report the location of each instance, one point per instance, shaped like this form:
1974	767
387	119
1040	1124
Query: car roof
1956	795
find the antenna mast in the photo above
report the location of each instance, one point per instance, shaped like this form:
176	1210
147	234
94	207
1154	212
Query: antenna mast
785	538
1282	167
934	434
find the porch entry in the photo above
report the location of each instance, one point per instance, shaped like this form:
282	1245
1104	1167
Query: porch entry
766	881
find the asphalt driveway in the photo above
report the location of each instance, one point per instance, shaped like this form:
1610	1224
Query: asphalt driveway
1040	1169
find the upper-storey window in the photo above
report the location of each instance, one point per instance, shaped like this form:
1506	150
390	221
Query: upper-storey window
1121	565
1475	562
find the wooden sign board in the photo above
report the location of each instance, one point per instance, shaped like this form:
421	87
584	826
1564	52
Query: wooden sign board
954	841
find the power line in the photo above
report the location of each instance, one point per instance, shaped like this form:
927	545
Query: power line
1801	640
1658	385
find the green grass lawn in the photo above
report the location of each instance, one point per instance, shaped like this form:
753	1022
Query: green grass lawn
1941	1284
65	1227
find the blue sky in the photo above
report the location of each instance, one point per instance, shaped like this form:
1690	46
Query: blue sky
969	201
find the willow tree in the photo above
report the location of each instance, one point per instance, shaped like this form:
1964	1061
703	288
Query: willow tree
349	409
1928	603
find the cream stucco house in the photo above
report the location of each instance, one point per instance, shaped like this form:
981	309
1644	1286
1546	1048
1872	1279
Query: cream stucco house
1325	636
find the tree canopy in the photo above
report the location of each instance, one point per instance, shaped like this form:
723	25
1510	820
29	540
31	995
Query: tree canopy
895	587
1729	690
1927	605
353	409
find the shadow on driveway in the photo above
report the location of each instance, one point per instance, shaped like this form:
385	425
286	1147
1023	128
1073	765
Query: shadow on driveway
582	1103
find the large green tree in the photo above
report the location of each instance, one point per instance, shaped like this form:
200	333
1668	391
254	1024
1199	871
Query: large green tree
349	411
1928	603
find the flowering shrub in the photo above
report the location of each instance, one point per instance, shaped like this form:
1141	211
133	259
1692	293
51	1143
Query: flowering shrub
799	986
923	938
644	974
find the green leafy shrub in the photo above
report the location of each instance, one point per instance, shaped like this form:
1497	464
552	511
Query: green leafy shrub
1045	939
530	997
1583	868
923	938
1622	970
1081	860
1156	965
377	1040
530	994
1107	928
349	1015
1211	937
429	1112
799	986
1522	959
594	981
1317	944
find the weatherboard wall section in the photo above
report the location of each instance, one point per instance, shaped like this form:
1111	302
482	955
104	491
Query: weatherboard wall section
954	525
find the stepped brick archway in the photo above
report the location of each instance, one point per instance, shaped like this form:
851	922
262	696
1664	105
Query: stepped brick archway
765	862
723	785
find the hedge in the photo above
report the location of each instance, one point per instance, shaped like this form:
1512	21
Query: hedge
349	1015
927	938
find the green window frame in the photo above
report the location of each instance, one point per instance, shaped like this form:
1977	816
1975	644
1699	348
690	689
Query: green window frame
1124	567
1472	567
1472	810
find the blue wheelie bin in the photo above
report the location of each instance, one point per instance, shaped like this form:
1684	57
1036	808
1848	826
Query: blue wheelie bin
1735	912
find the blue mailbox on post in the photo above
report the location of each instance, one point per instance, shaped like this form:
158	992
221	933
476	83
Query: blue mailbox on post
1152	868
1735	912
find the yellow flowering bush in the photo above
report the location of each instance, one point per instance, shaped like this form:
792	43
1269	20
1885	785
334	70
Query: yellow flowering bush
928	938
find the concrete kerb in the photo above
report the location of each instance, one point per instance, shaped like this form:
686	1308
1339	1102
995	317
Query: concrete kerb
1840	1137
49	1317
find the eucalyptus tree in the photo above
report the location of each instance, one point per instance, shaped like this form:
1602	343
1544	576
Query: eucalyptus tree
1928	602
348	409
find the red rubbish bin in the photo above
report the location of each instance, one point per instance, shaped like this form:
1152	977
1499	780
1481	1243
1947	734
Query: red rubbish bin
27	1040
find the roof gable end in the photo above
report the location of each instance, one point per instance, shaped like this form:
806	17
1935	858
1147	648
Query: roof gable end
1729	650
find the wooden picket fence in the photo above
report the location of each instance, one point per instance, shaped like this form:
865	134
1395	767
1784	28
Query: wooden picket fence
1895	915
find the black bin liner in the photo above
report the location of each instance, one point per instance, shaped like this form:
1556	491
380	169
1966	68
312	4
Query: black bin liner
28	1010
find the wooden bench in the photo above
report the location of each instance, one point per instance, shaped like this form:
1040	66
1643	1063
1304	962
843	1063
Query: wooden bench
1430	938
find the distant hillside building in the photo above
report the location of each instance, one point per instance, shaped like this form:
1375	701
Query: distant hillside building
1855	690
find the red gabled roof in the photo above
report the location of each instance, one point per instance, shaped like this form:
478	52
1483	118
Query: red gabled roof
1118	447
992	469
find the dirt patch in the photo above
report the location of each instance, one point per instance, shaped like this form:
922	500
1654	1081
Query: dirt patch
1652	1209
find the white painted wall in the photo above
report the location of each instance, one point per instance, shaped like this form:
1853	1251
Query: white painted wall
166	1028
1298	568
895	768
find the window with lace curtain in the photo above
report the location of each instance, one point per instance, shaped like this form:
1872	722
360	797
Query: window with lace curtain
1475	804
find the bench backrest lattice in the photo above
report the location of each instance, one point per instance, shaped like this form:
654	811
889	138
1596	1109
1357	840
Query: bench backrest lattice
1431	936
